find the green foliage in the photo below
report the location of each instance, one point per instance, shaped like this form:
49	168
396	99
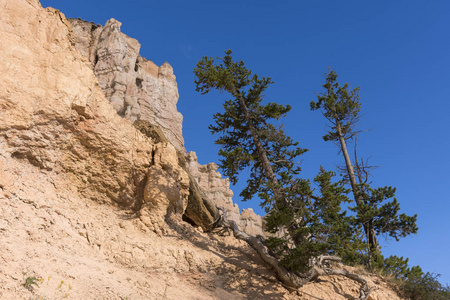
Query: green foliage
305	221
382	214
340	106
242	114
411	282
31	282
397	267
376	210
248	138
424	287
314	223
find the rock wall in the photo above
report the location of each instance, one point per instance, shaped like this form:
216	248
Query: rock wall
218	190
54	115
136	87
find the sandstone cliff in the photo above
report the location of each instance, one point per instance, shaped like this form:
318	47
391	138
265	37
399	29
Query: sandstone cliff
54	115
136	87
91	207
140	90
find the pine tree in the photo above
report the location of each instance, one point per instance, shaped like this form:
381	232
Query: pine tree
247	135
377	214
322	226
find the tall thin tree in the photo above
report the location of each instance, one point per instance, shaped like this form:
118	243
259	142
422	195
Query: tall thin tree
341	107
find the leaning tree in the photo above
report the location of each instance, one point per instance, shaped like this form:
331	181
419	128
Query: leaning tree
249	139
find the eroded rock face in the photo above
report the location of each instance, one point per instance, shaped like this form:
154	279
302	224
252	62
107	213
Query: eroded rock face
167	189
251	222
54	115
218	190
137	88
140	90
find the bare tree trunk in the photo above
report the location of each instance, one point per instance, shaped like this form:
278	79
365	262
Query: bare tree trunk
368	228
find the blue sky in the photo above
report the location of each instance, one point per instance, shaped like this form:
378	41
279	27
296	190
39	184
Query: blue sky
398	52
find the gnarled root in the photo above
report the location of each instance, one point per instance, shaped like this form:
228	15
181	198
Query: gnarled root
291	280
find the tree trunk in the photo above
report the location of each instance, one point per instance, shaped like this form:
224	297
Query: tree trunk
259	148
368	228
265	162
291	280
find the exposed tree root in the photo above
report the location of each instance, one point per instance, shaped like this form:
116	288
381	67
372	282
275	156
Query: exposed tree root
291	280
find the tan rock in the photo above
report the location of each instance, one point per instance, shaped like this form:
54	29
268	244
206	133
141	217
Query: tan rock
167	188
136	87
200	211
151	131
217	189
54	114
250	222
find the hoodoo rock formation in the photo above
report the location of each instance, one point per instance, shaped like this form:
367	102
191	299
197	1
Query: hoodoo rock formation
91	207
218	190
136	87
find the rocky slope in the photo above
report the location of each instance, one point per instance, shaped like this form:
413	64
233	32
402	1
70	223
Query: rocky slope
91	207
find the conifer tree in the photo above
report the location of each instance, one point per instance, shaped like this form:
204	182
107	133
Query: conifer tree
322	226
249	139
377	214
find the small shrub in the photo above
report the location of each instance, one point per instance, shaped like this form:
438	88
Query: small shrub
31	282
424	287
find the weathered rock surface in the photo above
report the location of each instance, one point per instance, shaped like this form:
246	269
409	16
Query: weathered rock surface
167	189
201	211
137	88
81	249
54	115
218	190
140	91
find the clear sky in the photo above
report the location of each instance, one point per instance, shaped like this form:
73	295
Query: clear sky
398	52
